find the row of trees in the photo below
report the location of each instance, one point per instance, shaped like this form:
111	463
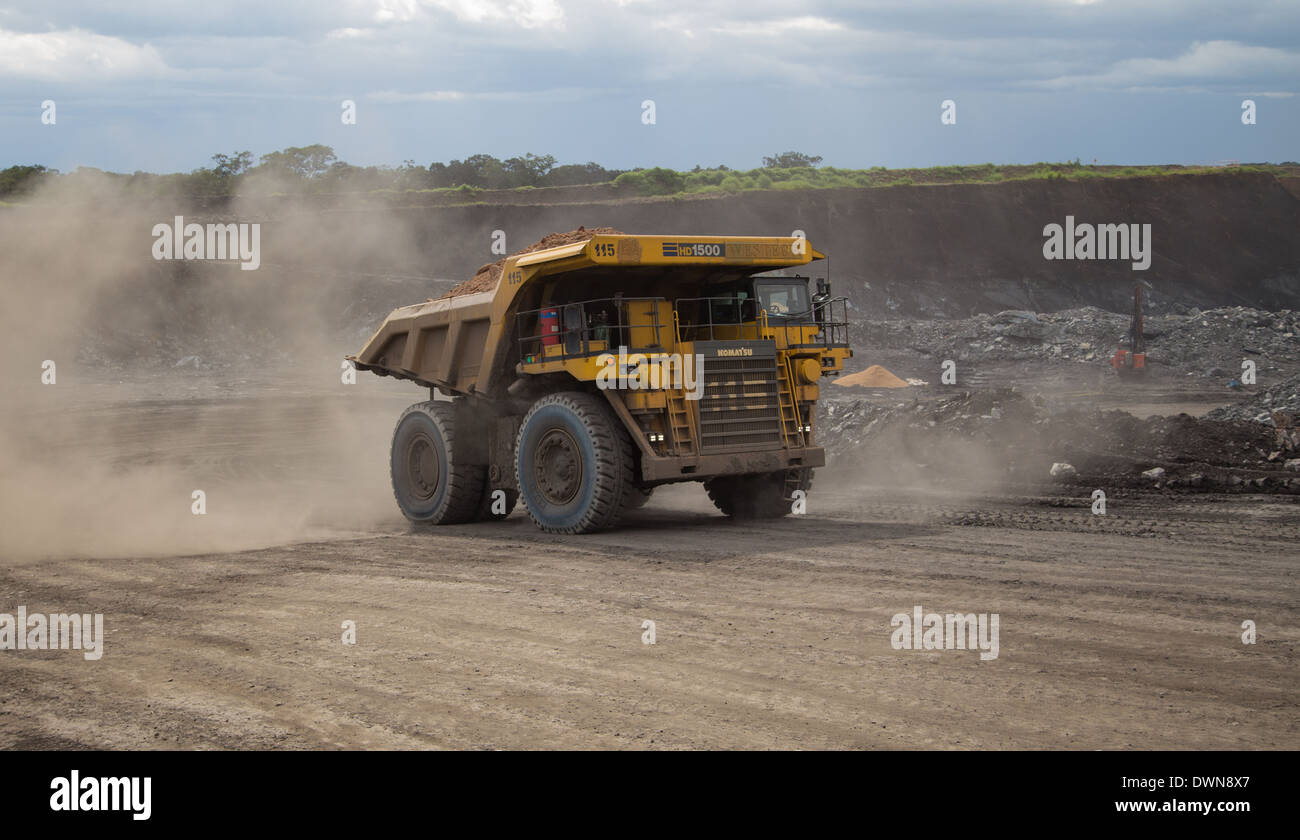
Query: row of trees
18	180
320	163
319	166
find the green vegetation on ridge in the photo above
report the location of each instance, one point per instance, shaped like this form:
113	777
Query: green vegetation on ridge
317	170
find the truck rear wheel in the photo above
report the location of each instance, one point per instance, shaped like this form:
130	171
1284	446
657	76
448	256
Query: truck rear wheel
573	464
432	482
763	496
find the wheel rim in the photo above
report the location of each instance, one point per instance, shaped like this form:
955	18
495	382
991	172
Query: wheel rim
423	467
557	467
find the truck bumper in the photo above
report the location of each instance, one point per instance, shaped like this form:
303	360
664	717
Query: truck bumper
663	470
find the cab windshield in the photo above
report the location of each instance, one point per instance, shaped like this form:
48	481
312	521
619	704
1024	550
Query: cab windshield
788	301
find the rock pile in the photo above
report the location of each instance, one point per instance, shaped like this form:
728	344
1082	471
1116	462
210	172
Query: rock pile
1284	398
1004	432
1211	344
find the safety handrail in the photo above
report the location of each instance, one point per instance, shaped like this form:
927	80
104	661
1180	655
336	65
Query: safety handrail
584	334
830	317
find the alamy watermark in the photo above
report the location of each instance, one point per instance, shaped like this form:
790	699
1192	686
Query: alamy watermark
651	372
53	631
109	793
181	241
954	631
1098	242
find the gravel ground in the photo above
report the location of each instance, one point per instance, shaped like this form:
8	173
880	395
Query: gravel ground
1116	632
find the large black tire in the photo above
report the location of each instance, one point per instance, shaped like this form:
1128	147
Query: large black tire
760	496
574	464
432	482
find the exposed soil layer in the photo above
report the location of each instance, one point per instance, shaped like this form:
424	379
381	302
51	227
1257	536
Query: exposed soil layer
954	250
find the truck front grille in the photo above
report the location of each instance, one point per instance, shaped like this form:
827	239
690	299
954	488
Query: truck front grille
740	406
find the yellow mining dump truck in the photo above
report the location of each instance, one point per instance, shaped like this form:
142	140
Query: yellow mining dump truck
598	370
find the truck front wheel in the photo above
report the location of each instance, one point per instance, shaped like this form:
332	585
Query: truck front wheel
432	482
573	464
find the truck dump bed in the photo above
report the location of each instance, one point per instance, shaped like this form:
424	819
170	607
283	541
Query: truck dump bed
439	342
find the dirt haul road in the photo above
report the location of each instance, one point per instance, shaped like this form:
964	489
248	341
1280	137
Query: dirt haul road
1122	631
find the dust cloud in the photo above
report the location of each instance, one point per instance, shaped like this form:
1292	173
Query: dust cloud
177	376
897	462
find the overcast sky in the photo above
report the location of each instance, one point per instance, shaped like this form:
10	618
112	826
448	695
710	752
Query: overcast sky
161	86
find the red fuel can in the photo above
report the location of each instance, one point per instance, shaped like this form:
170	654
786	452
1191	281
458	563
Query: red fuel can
550	327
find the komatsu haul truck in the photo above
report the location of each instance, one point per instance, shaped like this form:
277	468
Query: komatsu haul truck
596	371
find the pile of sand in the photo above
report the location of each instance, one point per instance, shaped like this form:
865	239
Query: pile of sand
485	279
873	377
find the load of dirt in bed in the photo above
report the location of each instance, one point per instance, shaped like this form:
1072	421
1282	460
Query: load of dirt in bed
485	279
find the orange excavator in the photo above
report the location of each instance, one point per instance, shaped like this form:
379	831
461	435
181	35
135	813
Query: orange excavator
1130	360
